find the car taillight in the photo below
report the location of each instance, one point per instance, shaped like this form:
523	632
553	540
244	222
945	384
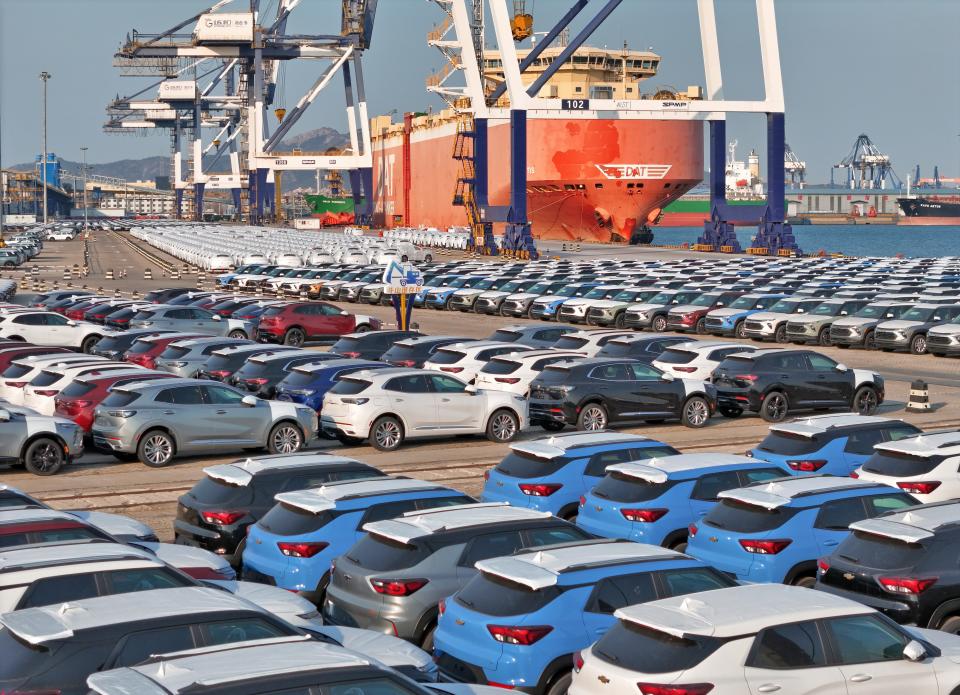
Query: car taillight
822	566
907	585
807	465
764	547
442	607
924	488
46	392
644	515
452	370
854	474
224	518
301	549
16	384
523	636
746	377
539	489
692	689
404	363
258	381
583	501
486	474
352	354
219	372
577	661
692	530
507	379
398	587
688	370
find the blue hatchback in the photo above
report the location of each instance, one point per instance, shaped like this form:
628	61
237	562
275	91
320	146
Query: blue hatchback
519	622
552	474
309	383
656	501
832	444
775	531
293	545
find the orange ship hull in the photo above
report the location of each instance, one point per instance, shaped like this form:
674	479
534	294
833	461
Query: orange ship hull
586	180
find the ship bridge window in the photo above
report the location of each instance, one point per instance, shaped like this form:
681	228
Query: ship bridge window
580	60
578	89
569	187
598	185
666	185
629	185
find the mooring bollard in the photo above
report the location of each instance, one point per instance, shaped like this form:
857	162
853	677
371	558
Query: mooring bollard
919	400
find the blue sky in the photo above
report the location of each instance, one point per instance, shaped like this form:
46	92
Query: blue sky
888	68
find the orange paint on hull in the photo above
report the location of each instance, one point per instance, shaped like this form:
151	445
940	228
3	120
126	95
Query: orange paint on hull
572	191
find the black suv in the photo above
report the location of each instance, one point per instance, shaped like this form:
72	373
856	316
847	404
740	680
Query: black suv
372	345
777	382
594	393
903	564
643	348
215	513
413	352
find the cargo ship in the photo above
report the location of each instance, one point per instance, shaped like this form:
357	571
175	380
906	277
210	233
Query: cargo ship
587	180
331	210
939	210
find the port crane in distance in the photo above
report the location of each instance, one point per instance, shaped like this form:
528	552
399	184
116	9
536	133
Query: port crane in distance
867	167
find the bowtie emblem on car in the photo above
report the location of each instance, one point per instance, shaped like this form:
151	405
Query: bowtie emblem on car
458	621
598	508
257	541
603	679
712	539
848	576
499	483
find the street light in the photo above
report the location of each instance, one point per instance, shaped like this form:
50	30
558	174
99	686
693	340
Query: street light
84	150
44	76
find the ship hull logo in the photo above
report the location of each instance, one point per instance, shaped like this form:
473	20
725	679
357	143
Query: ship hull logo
634	172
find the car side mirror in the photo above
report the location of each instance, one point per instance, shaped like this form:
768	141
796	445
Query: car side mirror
344	313
841	367
843	313
914	651
71	322
250	401
719	303
667	376
4	416
217	317
471	389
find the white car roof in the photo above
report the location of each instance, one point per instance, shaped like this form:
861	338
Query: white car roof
658	470
61	621
238	349
925	445
556	446
325	497
816	424
533	355
224	664
540	569
417	524
15	559
13	516
242	472
699	346
780	492
911	525
738	610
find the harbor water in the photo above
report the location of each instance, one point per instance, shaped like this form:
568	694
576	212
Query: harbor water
850	240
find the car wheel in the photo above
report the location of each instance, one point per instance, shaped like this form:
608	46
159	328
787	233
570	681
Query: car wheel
823	338
386	434
237	333
593	417
951	625
503	426
561	685
780	335
865	400
775	407
362	328
701	326
503	311
89	343
868	342
696	412
295	337
805	582
659	324
740	330
553	426
731	411
621	320
285	438
44	456
918	344
427	644
156	449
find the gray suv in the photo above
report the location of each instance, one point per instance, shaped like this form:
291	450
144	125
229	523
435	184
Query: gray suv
394	577
180	318
909	332
186	357
43	444
154	421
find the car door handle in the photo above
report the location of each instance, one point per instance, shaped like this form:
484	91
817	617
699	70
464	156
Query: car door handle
445	400
861	678
768	688
168	412
221	412
831	543
784	376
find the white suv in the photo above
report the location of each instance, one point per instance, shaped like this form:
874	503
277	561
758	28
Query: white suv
51	328
387	406
698	358
765	638
465	360
513	372
925	466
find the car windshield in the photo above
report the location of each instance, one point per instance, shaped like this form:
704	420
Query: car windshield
708	299
662	298
484	284
745	303
688	298
826	309
511	286
919	313
785	306
568	291
539	288
872	311
596	293
458	282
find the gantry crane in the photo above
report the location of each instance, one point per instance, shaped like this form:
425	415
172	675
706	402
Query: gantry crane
867	167
793	167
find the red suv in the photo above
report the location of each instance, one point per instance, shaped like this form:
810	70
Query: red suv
80	398
298	322
9	353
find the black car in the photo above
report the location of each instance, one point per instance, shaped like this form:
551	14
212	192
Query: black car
112	346
413	352
643	348
595	393
371	345
165	295
904	564
261	374
777	382
215	513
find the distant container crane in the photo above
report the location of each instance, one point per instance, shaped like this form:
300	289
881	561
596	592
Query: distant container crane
867	167
793	167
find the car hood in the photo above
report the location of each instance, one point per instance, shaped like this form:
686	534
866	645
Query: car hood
855	321
948	644
118	525
772	316
949	329
493	294
285	604
808	319
645	307
606	303
685	308
468	291
523	295
726	311
898	324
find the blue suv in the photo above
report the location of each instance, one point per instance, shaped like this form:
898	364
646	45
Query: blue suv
520	621
547	310
656	501
775	531
829	444
730	320
309	383
551	474
293	545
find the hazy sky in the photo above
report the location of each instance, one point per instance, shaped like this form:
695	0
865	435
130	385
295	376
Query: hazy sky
888	68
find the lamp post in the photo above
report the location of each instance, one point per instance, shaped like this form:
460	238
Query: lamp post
84	150
44	76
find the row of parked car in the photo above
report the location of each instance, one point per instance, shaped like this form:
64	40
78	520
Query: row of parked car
20	247
590	560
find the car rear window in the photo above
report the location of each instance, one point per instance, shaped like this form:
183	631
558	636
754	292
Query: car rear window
143	315
209	490
347	344
20	660
378	553
493	595
519	465
287	520
174	351
675	356
272	311
141	346
444	356
569	342
900	464
789	444
109	343
638	648
221	362
731	515
118	399
296	378
618	487
617	348
349	387
254	368
554	375
496	366
400	353
505	335
45	378
880	552
16	370
76	389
